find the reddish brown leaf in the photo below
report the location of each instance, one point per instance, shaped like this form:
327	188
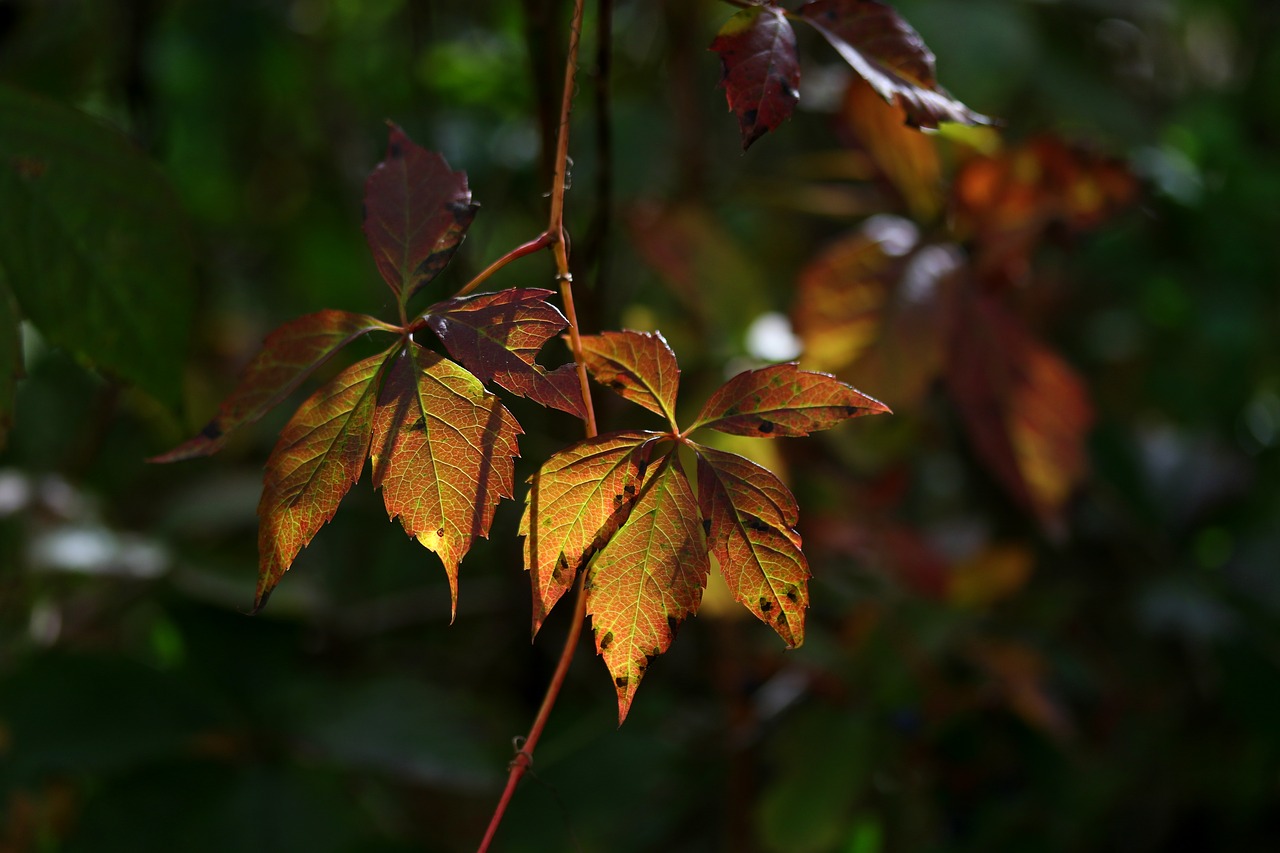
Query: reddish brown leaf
648	578
576	501
638	365
886	52
909	160
750	518
443	451
783	400
416	212
317	460
1025	409
288	356
761	77
497	337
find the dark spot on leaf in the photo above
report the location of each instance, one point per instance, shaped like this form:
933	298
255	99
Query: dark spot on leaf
749	117
606	640
672	623
792	593
420	423
781	620
440	532
706	526
617	384
394	151
642	666
765	427
629	488
756	524
621	682
765	605
617	500
563	562
211	431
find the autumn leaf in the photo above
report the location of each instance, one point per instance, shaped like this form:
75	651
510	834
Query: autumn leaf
288	356
783	400
749	517
416	212
638	365
648	578
886	52
761	78
577	500
1026	410
443	451
317	460
908	159
497	337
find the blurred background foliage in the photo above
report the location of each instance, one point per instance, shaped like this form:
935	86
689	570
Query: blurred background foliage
980	673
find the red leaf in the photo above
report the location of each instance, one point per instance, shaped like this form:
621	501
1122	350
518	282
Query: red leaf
443	451
648	578
416	212
890	55
757	50
783	400
576	501
638	365
317	460
288	356
1026	410
497	337
750	518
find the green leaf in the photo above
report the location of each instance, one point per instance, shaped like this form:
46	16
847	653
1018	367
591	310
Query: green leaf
93	243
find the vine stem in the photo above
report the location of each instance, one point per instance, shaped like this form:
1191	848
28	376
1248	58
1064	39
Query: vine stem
540	242
555	233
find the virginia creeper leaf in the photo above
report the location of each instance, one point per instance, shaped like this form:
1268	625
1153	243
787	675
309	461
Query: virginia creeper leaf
576	501
886	52
288	356
750	518
317	460
497	337
909	160
94	243
783	400
416	212
761	79
443	454
648	578
1025	409
638	365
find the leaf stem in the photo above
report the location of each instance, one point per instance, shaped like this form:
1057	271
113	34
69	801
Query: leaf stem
540	242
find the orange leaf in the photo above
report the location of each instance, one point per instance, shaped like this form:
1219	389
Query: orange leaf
576	501
908	159
497	337
638	365
288	356
783	400
761	78
317	460
443	451
648	578
886	52
749	518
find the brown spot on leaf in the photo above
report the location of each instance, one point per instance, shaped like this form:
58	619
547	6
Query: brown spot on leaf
781	620
621	681
792	593
440	532
606	641
629	488
765	427
765	605
706	526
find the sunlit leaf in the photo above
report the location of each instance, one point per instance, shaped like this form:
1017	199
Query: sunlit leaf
576	501
288	356
908	159
638	365
648	578
749	517
783	400
761	77
886	52
497	337
443	451
1025	409
416	212
317	460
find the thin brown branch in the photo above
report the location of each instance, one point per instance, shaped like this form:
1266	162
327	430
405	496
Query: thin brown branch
540	242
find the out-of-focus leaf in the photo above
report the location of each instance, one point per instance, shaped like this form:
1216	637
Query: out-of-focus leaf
909	160
443	454
890	55
638	365
10	357
576	501
761	78
497	337
93	244
783	400
288	356
317	460
750	517
1026	410
995	572
648	578
1020	673
416	212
